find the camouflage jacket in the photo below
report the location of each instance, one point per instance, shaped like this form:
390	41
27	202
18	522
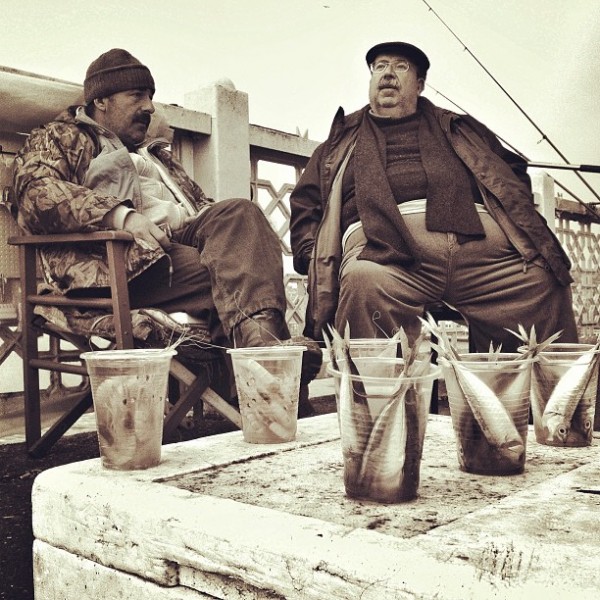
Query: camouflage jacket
49	173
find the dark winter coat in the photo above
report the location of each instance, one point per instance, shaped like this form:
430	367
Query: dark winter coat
317	200
51	197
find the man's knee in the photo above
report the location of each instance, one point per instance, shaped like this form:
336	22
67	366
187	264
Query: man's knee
364	287
247	213
362	275
241	206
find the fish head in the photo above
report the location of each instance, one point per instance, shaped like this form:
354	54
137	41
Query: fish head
557	429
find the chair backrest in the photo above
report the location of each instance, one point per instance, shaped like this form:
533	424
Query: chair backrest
26	101
9	256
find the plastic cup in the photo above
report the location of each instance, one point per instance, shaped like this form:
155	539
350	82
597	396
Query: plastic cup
129	389
489	406
373	347
564	389
267	380
382	425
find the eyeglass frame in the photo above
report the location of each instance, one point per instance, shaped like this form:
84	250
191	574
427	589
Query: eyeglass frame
389	64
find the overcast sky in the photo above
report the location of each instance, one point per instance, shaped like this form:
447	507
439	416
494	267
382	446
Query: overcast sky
298	60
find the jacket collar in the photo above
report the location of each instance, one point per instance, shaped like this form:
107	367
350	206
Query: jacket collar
81	117
343	122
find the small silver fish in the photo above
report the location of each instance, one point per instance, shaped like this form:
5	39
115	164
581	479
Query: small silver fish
567	394
491	415
383	459
393	450
353	412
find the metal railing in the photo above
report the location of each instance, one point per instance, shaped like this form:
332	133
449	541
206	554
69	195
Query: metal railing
264	164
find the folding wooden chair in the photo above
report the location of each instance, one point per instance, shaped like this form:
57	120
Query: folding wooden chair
194	388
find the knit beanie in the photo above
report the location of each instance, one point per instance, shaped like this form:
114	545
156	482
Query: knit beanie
115	71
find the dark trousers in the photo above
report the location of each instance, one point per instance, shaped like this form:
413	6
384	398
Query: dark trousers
226	266
485	280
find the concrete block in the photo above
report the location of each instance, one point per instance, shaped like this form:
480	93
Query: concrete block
226	519
61	575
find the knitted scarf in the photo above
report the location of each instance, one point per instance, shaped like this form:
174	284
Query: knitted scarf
450	201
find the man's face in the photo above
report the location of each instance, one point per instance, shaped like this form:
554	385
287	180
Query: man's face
126	114
393	93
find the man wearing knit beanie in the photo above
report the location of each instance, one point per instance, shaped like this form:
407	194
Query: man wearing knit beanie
115	71
92	168
118	72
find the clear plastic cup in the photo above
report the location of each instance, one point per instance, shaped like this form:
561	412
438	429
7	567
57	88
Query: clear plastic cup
267	380
129	389
564	389
489	406
373	347
382	417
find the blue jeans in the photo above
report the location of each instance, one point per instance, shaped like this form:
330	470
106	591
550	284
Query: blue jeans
485	280
226	266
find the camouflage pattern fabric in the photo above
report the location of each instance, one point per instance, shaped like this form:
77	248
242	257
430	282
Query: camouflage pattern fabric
51	198
151	327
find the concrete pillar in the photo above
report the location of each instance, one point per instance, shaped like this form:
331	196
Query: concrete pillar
544	196
222	160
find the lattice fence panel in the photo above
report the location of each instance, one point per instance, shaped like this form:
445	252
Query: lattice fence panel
275	203
272	184
297	297
582	245
9	256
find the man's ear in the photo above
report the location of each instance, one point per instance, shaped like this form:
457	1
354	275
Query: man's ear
421	84
100	104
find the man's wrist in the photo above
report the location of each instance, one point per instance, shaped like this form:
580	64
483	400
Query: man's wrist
116	217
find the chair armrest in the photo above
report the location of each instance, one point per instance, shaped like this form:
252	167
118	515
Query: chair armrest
118	235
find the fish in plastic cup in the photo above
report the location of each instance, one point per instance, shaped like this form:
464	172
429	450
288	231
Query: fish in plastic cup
382	420
564	389
267	380
488	396
129	389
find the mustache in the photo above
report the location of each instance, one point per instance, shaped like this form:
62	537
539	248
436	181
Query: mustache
143	118
388	83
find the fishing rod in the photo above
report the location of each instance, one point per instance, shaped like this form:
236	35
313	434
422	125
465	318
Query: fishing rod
590	207
566	167
530	162
544	136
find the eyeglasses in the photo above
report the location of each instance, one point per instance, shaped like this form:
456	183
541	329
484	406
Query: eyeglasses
402	66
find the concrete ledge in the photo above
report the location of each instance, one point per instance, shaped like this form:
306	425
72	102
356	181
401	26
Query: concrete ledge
225	519
82	578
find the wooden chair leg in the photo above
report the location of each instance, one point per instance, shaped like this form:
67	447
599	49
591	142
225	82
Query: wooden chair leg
44	443
29	345
197	388
434	407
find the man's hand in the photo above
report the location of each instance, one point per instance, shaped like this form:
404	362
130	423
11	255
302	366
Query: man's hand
142	227
188	220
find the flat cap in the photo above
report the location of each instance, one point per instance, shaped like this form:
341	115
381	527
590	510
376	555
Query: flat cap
412	53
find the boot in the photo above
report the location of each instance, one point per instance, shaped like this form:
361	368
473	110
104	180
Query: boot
305	408
268	328
263	328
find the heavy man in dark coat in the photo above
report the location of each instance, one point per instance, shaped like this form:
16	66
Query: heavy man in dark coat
406	205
